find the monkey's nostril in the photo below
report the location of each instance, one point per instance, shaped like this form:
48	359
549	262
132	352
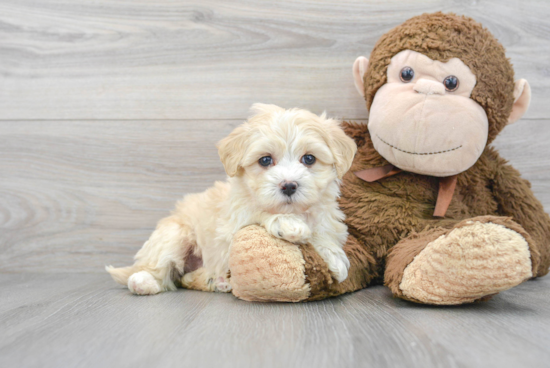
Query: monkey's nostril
289	188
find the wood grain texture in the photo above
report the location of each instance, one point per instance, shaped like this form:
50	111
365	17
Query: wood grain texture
78	195
52	320
211	59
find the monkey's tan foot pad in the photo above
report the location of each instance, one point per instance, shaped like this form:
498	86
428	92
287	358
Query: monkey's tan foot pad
264	268
474	260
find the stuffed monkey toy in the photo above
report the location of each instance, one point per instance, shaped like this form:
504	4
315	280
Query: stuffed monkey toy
433	212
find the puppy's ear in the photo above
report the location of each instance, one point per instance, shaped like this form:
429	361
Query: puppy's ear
232	149
260	108
343	148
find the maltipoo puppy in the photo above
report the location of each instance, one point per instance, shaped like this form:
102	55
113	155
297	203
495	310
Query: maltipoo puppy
284	169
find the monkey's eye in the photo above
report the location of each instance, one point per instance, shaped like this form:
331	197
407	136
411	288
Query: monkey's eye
451	83
308	160
407	74
265	161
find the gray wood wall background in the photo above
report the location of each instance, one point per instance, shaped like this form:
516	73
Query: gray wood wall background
110	109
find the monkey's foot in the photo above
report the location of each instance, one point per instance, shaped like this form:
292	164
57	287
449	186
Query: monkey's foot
265	268
476	259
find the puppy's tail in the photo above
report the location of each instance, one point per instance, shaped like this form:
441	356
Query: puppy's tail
122	274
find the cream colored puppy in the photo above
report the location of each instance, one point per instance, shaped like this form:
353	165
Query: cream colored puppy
284	169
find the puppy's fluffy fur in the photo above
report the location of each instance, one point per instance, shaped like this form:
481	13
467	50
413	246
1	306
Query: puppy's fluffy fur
192	245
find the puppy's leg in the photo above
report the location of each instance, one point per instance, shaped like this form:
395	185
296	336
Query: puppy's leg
328	239
333	254
289	227
201	279
160	260
143	283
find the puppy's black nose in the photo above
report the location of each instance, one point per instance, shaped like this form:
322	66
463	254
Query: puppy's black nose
289	188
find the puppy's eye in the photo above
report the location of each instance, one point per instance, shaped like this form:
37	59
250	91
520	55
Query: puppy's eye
308	160
407	74
451	83
266	161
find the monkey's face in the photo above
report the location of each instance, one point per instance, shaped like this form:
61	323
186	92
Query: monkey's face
423	119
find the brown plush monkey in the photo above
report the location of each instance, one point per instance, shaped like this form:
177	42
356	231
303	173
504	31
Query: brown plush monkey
433	211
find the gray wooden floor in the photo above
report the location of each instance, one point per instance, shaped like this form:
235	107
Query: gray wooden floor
109	113
84	320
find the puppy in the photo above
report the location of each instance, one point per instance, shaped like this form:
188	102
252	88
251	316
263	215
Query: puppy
284	169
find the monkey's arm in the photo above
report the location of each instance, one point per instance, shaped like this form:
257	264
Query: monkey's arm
267	268
516	199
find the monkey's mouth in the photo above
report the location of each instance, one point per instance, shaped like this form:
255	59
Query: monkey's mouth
417	153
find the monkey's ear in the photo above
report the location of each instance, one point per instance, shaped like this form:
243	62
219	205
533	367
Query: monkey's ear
522	98
232	149
359	69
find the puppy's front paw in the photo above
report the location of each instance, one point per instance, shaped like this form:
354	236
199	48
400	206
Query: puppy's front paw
337	262
143	283
288	227
294	231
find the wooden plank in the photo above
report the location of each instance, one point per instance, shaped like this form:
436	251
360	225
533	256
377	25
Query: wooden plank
211	59
86	320
525	145
76	195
